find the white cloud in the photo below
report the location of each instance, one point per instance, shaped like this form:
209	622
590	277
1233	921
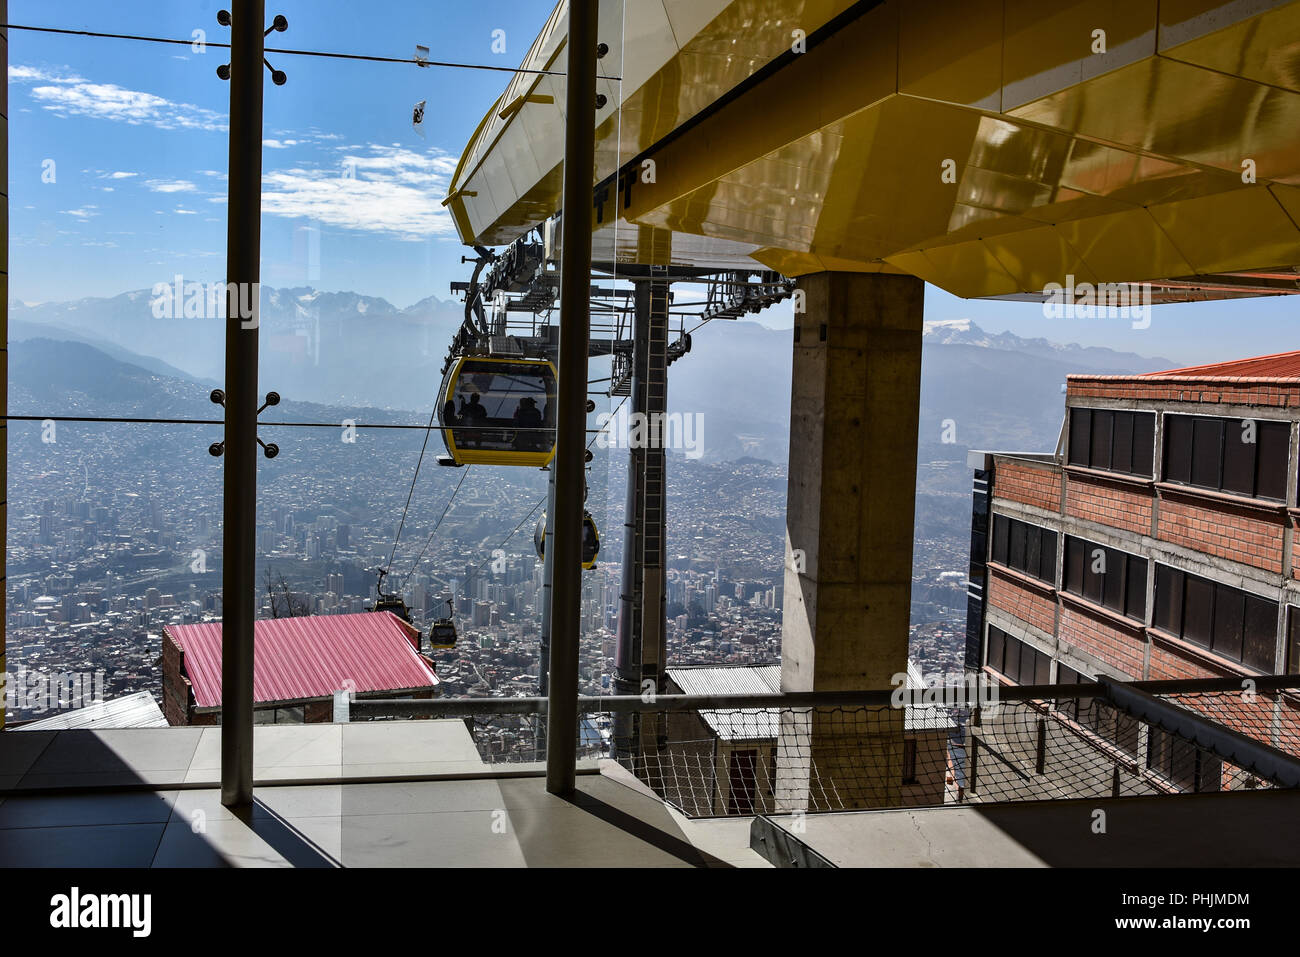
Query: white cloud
71	95
392	190
118	175
83	213
279	144
170	185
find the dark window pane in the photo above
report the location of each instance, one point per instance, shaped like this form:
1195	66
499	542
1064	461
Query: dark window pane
1094	580
1178	449
1126	733
1260	634
1001	532
1027	663
1033	550
1122	457
1065	675
1016	550
1135	594
1182	764
1047	569
1168	612
1292	663
993	657
1074	565
1101	429
1113	580
1079	436
1207	452
1239	456
1011	660
1144	437
1198	610
1042	669
1274	442
1229	613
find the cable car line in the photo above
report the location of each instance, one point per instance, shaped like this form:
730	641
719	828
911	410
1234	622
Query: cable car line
436	526
410	492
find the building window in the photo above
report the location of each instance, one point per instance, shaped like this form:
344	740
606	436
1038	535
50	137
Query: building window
909	760
1113	440
1027	548
1225	620
1018	660
1240	456
1181	763
1106	576
1292	664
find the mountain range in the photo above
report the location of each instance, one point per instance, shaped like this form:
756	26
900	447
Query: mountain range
343	351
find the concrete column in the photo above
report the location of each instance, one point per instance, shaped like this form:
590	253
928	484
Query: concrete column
849	523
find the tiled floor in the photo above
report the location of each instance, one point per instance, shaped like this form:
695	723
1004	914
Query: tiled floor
493	821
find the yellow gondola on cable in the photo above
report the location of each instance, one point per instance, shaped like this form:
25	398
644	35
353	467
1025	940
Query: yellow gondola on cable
497	411
590	539
442	633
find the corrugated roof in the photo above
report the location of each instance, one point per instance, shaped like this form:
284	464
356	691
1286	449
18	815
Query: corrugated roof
742	724
312	657
1280	365
137	710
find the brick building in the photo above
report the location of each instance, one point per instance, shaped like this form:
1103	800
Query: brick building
299	663
1157	542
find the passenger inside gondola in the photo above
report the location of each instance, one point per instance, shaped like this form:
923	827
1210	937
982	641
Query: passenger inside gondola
528	420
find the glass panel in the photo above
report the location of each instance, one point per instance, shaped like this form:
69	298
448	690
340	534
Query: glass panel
1198	610
1074	565
1101	429
1135	593
1033	550
1122	460
1178	449
1080	426
1144	433
1048	566
1168	612
502	406
1274	446
993	655
1113	580
1207	452
1259	638
1229	612
1239	457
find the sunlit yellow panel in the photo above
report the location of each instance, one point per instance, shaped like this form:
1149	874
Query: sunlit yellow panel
951	50
1244	229
1036	257
1049	47
1289	198
1259	41
1125	247
1185	113
966	269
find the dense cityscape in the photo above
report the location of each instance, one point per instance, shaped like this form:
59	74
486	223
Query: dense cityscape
115	531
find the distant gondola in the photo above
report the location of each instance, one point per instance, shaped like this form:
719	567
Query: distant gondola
498	411
388	601
442	633
590	539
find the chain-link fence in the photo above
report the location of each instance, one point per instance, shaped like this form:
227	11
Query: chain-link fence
723	755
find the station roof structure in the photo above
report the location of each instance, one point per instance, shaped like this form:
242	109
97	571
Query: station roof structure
990	147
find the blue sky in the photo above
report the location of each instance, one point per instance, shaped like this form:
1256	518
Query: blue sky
136	133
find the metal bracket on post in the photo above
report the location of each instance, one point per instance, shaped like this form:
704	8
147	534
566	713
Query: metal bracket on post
279	25
269	449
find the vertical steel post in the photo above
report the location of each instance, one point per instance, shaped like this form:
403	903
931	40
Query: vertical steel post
571	417
239	516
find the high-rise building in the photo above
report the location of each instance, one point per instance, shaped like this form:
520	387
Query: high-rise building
1158	541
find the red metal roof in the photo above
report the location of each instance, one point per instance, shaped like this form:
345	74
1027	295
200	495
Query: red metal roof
312	657
1280	365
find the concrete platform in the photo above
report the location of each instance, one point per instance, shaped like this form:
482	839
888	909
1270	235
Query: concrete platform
1237	829
149	798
